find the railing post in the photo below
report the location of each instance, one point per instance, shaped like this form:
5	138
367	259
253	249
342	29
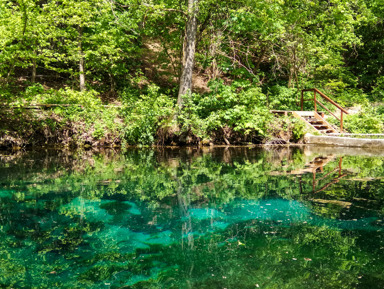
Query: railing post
302	100
315	91
341	121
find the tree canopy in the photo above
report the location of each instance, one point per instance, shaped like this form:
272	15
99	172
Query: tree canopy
191	51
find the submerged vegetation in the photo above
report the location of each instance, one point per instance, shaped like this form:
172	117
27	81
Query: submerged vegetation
182	72
213	217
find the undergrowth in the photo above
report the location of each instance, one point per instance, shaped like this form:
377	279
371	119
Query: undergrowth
238	113
368	120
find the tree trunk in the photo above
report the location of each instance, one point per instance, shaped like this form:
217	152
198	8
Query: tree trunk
187	227
188	52
33	79
81	62
215	45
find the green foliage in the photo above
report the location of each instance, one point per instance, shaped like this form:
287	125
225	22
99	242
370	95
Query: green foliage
57	35
240	106
350	97
299	129
283	98
6	92
378	90
105	218
145	114
33	91
287	128
78	115
366	121
281	46
84	107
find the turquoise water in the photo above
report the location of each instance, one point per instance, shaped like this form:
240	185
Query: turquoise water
187	218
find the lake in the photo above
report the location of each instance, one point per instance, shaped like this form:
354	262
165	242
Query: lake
302	217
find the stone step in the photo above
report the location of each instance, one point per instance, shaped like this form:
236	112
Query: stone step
311	119
319	122
325	130
315	120
319	127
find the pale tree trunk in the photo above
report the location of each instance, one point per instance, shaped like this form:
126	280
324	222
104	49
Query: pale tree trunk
214	47
188	51
33	79
187	228
34	63
81	62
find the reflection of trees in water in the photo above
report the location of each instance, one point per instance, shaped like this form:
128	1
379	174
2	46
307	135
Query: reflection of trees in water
247	252
202	173
250	253
184	202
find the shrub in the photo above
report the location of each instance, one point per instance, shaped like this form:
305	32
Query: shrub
378	90
240	106
283	98
366	121
350	97
286	128
145	114
86	111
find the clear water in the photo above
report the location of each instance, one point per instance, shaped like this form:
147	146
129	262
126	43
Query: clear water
185	218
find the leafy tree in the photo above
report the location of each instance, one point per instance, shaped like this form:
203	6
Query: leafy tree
21	36
189	47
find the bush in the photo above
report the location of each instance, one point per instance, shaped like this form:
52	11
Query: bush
240	107
378	90
366	121
145	114
85	112
350	97
283	98
287	128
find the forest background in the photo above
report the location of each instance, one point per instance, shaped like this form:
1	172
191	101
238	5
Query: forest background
183	72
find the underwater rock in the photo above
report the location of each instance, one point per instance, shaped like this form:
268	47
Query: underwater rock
99	210
162	238
134	210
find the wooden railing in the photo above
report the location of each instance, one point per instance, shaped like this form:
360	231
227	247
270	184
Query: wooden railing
316	101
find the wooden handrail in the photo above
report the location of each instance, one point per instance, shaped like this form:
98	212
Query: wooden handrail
336	180
328	110
326	98
315	90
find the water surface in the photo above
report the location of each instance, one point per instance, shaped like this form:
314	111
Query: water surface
191	218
